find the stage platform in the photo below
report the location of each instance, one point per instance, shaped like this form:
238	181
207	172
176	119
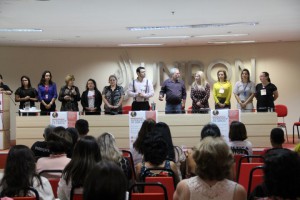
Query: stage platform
185	128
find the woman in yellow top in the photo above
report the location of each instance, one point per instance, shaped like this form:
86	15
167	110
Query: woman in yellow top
222	91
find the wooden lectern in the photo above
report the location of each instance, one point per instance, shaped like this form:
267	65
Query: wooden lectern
4	121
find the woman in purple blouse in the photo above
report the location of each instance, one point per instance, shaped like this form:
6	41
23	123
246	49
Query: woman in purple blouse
47	93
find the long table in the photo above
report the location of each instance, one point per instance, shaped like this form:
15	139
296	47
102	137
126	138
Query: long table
185	128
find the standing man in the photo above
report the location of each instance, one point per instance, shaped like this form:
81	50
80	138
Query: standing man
175	93
141	89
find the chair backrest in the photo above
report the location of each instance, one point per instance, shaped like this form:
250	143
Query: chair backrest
126	109
75	194
54	184
237	158
166	181
128	154
35	197
281	110
244	173
164	173
256	178
51	173
249	158
148	196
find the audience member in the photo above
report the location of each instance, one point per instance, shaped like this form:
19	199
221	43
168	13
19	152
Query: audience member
175	153
214	161
155	155
69	95
82	127
238	136
105	181
209	130
59	143
281	176
20	174
110	151
222	90
73	132
40	148
137	151
276	139
85	156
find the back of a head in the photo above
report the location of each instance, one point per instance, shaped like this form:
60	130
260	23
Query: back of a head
82	127
146	127
237	131
59	141
85	155
105	181
48	130
74	134
164	130
19	170
210	129
277	136
108	147
213	159
155	148
282	173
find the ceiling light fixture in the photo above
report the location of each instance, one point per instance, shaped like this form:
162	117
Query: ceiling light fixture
20	30
130	45
232	42
165	37
213	25
222	35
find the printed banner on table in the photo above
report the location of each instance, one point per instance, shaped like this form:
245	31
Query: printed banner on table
64	119
136	119
1	111
222	118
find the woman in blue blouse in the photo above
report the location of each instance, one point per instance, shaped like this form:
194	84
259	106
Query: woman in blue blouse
47	93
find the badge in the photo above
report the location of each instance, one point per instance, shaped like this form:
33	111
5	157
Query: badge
46	96
221	91
263	92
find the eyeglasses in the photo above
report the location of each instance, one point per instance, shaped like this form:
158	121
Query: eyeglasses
24	80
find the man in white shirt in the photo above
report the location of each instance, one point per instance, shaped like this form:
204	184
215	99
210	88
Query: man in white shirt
141	89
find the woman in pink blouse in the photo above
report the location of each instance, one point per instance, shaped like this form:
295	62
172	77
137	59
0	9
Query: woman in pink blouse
200	92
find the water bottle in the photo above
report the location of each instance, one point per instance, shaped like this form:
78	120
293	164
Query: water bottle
153	105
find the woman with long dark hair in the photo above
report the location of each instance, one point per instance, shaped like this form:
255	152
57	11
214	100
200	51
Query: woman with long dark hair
26	94
85	156
47	93
20	174
91	99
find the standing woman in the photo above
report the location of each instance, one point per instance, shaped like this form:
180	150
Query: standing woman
200	92
244	92
69	95
222	91
91	99
26	94
47	93
4	88
266	93
112	96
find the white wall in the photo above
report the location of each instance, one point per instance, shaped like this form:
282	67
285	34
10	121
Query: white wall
281	60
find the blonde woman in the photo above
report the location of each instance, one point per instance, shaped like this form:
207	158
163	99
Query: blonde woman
69	95
222	90
110	151
200	92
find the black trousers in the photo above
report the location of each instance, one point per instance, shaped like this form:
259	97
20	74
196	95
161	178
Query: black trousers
143	105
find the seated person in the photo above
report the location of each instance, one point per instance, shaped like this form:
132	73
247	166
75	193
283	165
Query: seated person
238	136
155	155
82	127
40	148
214	161
281	176
105	181
276	139
59	143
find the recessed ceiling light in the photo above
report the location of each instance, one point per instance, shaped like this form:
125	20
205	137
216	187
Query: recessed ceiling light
213	25
129	45
20	30
165	37
222	35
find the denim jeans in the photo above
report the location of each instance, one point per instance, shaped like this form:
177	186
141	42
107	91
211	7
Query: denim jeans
173	109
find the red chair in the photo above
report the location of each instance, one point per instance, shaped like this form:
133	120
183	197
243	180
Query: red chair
237	158
282	111
76	193
128	154
52	180
162	195
256	178
166	181
244	173
126	109
296	124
